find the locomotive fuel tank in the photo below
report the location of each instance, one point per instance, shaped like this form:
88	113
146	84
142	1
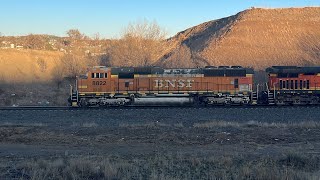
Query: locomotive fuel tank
163	101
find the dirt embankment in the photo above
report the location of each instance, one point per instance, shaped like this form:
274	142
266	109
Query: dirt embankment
27	66
26	78
256	37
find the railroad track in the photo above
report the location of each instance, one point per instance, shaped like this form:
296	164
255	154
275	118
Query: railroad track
35	108
149	107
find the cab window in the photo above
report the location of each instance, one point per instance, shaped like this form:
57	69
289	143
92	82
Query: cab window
99	75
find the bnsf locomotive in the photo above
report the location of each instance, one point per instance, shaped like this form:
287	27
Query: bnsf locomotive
105	86
290	85
123	86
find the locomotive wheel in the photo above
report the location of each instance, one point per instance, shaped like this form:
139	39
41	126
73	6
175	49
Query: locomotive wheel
314	101
197	102
132	98
280	103
83	103
296	102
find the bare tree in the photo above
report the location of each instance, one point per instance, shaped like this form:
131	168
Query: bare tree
75	34
42	65
34	41
58	74
74	65
96	36
141	44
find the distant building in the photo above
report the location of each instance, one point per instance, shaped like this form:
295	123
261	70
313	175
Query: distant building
19	47
52	42
87	52
63	50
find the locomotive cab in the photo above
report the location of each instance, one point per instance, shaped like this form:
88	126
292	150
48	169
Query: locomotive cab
91	85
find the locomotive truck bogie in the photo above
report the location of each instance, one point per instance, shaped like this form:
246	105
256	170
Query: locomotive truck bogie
222	99
86	102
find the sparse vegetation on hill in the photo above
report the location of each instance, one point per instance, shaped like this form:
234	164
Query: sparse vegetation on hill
255	37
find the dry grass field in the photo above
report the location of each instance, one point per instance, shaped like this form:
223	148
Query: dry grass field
27	66
208	150
35	94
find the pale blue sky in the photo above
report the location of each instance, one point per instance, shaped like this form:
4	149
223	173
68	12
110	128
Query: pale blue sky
110	17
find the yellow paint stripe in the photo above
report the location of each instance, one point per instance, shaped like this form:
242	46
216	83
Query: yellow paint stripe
95	92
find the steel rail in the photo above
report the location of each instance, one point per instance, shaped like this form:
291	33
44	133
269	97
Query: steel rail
153	106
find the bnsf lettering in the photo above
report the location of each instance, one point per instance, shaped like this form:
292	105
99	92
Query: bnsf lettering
180	83
99	83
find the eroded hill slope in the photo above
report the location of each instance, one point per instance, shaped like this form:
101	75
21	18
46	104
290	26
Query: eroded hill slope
255	37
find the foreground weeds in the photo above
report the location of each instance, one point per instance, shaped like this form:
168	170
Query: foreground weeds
169	166
214	124
156	150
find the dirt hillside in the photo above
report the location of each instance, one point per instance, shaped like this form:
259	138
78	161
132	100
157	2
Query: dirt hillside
256	37
27	65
